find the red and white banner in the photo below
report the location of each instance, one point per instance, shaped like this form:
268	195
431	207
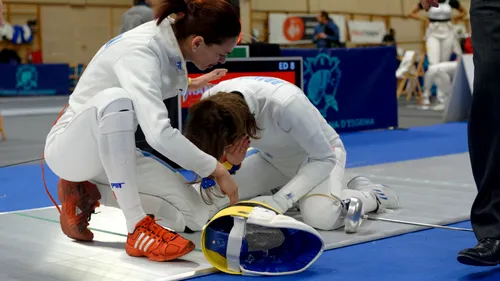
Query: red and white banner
298	28
367	31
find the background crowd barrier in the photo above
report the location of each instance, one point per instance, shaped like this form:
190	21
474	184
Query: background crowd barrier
354	89
457	109
34	79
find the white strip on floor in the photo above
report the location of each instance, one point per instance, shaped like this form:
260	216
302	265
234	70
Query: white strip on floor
436	190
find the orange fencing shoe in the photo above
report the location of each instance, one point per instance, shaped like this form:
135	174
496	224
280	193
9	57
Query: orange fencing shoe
79	200
155	242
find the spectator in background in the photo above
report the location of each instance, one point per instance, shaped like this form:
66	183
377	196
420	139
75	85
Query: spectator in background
326	33
140	13
390	38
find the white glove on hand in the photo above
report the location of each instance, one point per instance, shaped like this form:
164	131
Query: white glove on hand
279	203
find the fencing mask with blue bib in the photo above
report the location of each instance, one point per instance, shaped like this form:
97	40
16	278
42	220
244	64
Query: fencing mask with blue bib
251	238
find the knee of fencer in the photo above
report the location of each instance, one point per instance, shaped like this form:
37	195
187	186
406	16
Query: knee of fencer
321	211
113	100
359	182
120	104
117	115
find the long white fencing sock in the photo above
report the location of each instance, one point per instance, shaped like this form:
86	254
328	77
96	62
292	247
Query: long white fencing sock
384	196
118	155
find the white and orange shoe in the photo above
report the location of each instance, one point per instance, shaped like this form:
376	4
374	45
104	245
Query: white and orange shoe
155	242
79	200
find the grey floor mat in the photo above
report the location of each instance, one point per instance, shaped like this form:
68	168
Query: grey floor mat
436	190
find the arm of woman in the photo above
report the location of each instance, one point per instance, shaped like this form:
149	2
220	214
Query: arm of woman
462	12
204	80
415	13
305	129
139	74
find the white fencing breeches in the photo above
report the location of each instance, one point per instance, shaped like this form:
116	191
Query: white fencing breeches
320	208
441	75
71	148
97	144
441	42
165	193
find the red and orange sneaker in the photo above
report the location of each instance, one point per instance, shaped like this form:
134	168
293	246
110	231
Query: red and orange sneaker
155	242
79	200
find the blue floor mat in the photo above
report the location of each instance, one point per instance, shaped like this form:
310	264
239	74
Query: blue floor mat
424	255
380	147
23	186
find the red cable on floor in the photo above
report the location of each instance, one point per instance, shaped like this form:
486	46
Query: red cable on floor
43	169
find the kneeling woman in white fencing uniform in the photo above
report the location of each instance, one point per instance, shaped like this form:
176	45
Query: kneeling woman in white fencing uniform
296	150
441	75
122	87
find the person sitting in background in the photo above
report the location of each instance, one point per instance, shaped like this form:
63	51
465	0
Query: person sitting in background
326	33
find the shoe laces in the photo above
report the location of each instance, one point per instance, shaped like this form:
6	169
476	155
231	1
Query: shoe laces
157	230
87	208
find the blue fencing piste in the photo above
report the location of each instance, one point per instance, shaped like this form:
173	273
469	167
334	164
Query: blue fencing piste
34	79
354	89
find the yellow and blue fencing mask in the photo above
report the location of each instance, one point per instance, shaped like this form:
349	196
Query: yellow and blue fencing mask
251	238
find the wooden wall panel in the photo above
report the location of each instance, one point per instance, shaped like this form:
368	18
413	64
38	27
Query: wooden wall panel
245	16
408	5
407	29
280	5
77	2
89	35
70	37
361	18
116	20
109	2
57	34
374	7
20	13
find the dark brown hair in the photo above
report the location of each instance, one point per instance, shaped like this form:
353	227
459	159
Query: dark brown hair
214	20
219	121
216	122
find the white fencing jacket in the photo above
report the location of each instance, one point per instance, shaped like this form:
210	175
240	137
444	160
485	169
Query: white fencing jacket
294	136
147	63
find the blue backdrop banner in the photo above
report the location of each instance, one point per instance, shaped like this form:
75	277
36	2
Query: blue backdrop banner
34	79
354	89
